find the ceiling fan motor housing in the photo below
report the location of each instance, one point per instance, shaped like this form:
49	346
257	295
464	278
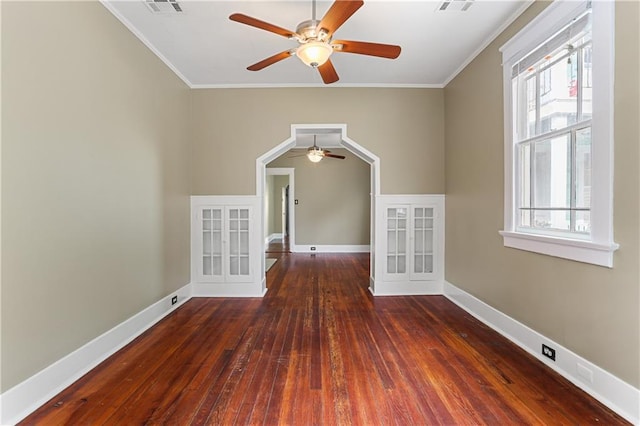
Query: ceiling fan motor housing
307	30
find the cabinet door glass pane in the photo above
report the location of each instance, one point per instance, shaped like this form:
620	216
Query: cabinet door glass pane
396	240
423	240
423	263
207	268
206	243
391	242
239	260
217	265
391	264
402	264
244	243
211	241
244	265
402	241
234	265
428	241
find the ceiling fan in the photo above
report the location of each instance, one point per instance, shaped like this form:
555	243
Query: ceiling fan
315	39
315	153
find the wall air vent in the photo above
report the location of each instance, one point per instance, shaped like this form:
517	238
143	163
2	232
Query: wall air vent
163	6
455	5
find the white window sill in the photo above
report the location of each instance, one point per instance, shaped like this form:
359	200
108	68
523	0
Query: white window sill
578	250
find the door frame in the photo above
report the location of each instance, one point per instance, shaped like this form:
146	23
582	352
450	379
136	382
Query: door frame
290	172
347	143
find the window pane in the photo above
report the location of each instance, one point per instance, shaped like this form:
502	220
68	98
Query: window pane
587	83
583	221
552	219
524	166
525	218
552	172
559	105
531	106
583	168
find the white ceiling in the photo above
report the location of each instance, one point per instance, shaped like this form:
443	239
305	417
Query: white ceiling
206	49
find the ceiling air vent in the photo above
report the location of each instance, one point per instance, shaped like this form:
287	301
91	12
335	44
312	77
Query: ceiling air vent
163	6
455	5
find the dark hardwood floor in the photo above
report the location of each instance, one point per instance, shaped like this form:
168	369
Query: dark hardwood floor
278	246
318	349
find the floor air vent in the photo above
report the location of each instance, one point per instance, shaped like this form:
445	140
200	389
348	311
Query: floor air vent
455	5
163	6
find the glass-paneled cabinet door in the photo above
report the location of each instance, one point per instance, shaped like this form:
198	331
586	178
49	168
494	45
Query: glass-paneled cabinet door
396	241
238	225
212	242
423	240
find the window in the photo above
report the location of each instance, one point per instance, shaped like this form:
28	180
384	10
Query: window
558	85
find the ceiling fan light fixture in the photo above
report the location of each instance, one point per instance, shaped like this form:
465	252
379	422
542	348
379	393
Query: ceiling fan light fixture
315	155
314	53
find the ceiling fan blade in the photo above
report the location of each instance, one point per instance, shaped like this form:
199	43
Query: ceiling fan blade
270	61
248	20
338	13
328	73
342	157
364	48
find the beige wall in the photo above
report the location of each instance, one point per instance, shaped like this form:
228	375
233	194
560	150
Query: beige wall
333	199
591	310
95	180
233	127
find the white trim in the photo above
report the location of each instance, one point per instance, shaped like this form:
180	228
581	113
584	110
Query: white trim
524	6
600	246
229	289
364	154
304	85
578	250
613	392
24	398
406	288
107	4
336	248
273	237
281	171
409	283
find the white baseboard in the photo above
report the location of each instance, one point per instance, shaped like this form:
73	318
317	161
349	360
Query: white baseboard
24	398
299	248
406	288
272	237
616	394
228	289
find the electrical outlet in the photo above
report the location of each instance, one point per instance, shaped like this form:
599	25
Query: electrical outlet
174	300
548	352
313	249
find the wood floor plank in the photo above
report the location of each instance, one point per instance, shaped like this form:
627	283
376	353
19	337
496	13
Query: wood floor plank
319	349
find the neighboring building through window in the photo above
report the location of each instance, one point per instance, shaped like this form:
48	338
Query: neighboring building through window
555	203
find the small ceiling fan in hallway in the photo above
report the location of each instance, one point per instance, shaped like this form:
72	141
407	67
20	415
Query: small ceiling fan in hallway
315	154
315	40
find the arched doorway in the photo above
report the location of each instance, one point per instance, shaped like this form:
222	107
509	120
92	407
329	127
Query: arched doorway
341	131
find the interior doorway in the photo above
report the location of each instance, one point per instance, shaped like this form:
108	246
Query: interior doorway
345	142
278	218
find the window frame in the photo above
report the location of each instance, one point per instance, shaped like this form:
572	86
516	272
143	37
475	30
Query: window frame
598	248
